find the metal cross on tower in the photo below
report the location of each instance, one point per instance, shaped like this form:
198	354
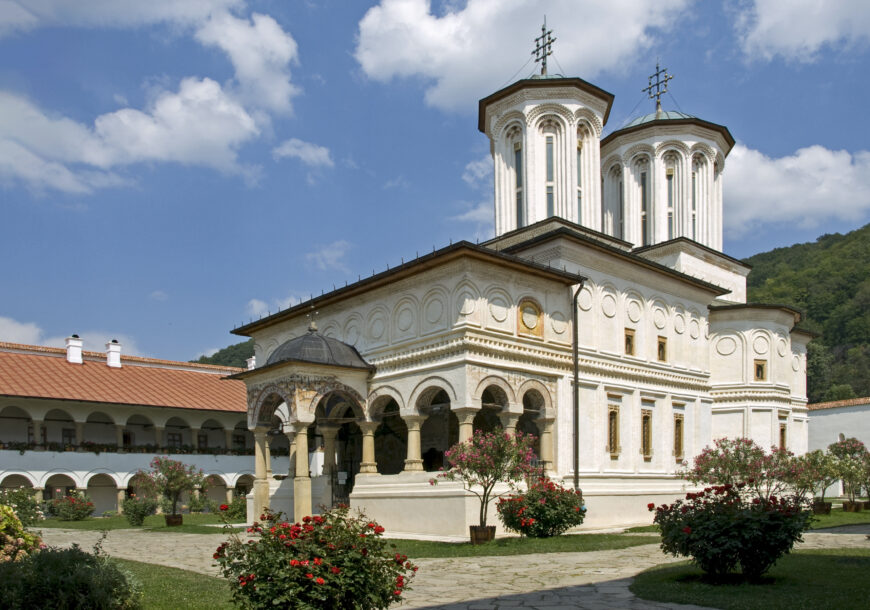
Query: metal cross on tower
658	88
312	319
543	47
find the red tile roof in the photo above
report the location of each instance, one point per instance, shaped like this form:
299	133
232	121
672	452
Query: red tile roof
851	402
43	372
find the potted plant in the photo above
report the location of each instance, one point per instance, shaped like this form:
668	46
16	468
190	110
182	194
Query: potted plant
484	460
172	478
849	456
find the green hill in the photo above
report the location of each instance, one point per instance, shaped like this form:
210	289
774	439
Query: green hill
233	355
829	280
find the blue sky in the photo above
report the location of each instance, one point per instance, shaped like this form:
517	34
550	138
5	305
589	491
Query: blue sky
169	170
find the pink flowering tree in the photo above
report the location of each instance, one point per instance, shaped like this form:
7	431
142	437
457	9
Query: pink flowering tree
849	455
486	459
171	478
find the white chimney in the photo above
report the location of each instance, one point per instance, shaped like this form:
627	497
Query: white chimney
113	354
252	363
74	349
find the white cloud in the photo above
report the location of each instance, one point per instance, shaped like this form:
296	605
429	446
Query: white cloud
257	308
158	295
330	256
396	183
310	154
207	353
812	185
468	51
31	333
481	213
24	15
799	29
199	124
478	174
13	331
260	52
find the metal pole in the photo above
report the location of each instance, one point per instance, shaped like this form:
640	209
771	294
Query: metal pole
576	341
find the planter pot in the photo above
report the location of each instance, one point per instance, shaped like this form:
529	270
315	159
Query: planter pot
852	507
821	508
172	520
481	533
866	505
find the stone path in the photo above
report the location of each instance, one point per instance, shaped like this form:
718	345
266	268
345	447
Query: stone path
594	580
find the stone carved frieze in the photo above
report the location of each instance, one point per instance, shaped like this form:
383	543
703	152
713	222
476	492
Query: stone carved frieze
300	392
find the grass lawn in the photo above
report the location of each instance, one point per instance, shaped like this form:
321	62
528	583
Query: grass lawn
522	546
831	578
171	588
193	524
837	518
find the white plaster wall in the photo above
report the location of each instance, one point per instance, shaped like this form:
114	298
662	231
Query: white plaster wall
826	425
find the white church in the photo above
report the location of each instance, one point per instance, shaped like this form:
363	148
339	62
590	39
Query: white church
602	317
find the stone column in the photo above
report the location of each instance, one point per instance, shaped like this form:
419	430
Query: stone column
268	457
159	440
368	464
302	480
261	484
194	438
546	445
228	438
466	422
509	422
80	433
229	495
37	432
329	433
413	458
291	453
37	494
119	436
122	493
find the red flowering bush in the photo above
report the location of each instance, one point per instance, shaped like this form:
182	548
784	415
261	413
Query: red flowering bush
334	560
74	507
545	510
719	529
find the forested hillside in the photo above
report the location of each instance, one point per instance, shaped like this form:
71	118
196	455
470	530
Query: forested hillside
829	280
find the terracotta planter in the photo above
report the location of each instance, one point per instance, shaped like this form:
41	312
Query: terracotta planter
172	520
821	508
481	534
852	507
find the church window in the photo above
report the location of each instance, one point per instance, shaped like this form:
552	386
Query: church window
694	204
662	349
783	436
551	202
670	179
620	206
629	342
202	440
613	430
68	436
644	210
518	183
760	370
646	431
173	439
678	435
579	184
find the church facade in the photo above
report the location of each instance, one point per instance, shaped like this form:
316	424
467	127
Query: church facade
606	268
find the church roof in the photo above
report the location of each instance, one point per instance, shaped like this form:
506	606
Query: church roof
670	118
849	402
314	348
30	371
666	115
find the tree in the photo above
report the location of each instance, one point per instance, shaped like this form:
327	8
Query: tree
849	456
172	478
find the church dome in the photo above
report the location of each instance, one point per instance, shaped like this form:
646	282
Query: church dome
668	115
314	348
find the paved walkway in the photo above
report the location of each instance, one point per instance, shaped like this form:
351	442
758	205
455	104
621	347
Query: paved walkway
594	580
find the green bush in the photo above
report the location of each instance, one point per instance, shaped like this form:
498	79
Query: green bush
719	529
545	510
77	506
16	542
197	504
136	508
66	578
237	510
23	503
333	560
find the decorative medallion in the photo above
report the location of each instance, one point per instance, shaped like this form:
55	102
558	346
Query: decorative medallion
633	310
608	305
352	334
530	316
434	310
796	364
465	303
405	319
679	323
726	346
781	347
377	327
694	328
498	309
760	345
584	301
660	318
558	322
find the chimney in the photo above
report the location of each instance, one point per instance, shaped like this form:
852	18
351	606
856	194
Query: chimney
252	363
74	349
113	354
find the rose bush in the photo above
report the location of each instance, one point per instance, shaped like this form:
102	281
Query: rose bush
545	509
76	506
24	503
16	542
334	560
719	528
136	508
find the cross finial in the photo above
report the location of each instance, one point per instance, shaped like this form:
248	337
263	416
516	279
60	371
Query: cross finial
659	87
312	321
544	47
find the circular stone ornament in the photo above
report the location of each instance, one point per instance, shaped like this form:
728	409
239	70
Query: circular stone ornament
608	305
781	347
679	323
726	346
761	345
558	322
660	318
434	311
694	328
498	309
584	301
405	319
530	316
465	303
633	310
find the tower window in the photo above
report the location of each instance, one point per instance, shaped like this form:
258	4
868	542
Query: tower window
670	178
518	183
613	431
619	211
629	342
662	349
579	184
646	433
551	203
760	370
694	204
644	209
783	436
678	435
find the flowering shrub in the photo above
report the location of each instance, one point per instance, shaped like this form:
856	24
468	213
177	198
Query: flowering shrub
236	511
814	472
16	543
849	455
73	507
333	560
23	502
545	510
136	508
486	459
719	529
171	478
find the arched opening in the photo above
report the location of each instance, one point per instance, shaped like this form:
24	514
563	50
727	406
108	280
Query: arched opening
211	436
178	434
242	439
103	493
15	426
14	481
58	486
533	408
336	414
244	485
216	489
391	439
59	429
99	428
439	431
493	401
139	432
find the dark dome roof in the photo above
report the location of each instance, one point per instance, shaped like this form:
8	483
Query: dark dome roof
667	115
315	348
